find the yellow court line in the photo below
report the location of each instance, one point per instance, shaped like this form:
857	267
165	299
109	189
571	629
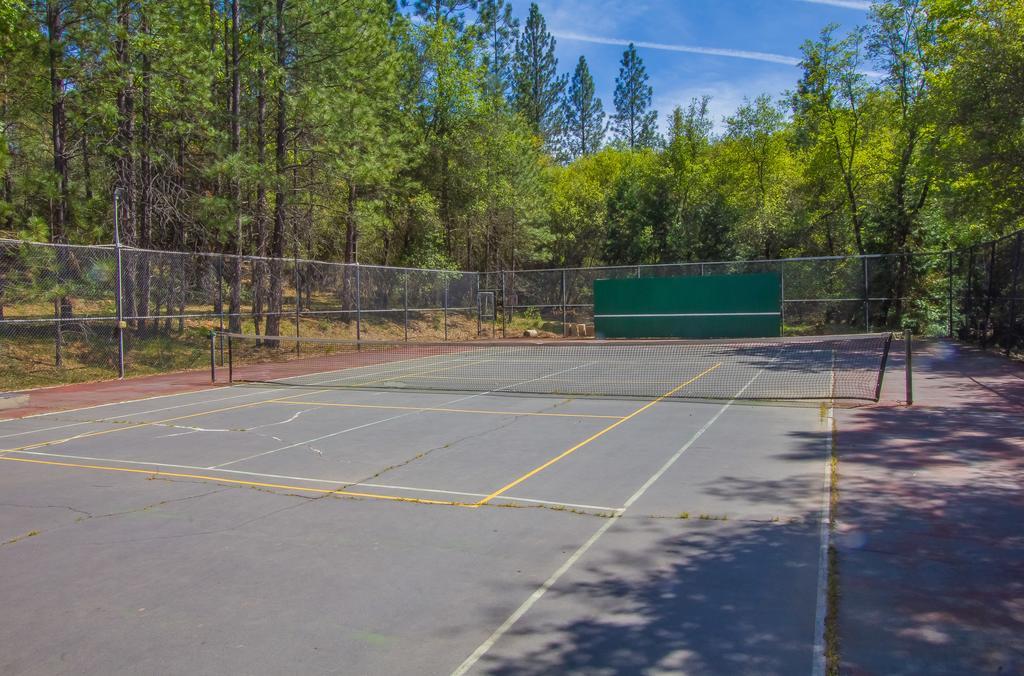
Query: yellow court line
87	435
239	482
446	410
586	441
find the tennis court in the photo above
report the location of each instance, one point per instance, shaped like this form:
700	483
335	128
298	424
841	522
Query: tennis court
435	510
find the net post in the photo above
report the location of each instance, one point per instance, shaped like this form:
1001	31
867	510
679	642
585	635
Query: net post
405	305
565	328
949	294
213	356
881	366
231	362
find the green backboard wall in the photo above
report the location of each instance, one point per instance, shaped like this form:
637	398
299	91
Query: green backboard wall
716	306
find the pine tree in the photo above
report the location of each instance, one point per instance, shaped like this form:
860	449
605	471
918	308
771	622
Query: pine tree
583	113
449	11
537	88
633	122
498	29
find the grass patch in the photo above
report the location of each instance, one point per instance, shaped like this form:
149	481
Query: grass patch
28	359
30	534
832	594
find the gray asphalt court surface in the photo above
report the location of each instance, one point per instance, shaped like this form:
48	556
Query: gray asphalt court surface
262	529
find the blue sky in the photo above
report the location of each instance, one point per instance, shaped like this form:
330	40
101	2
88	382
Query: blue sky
773	28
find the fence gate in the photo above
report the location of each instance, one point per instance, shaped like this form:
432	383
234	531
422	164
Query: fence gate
486	311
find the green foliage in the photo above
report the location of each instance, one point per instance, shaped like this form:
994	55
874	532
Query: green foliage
498	29
437	133
634	123
537	87
583	113
640	212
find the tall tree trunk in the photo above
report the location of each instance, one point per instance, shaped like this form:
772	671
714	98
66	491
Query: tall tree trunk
59	205
86	166
145	185
235	308
351	225
259	266
125	159
280	169
445	205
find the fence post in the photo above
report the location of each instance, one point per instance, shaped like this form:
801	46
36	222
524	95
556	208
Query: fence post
565	327
220	303
119	299
405	305
298	293
867	297
638	272
908	365
782	298
446	308
949	293
359	305
989	293
1011	336
503	301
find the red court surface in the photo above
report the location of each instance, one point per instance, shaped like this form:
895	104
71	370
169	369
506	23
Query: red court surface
81	395
931	557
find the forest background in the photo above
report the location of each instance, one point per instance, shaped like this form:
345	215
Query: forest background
445	134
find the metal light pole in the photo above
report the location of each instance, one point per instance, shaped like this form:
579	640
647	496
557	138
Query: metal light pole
120	288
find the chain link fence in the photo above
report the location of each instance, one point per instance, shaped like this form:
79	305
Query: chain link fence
820	296
67	315
987	287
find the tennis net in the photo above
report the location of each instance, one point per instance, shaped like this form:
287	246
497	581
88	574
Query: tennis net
835	367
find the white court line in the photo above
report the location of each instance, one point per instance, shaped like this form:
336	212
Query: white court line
263	390
408	363
482	649
107	420
347	484
110	403
165	396
824	540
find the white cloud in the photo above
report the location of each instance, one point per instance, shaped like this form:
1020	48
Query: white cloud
726	96
861	5
599	16
691	49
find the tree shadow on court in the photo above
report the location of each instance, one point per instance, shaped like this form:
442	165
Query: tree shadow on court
929	540
970	371
693	596
797	369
